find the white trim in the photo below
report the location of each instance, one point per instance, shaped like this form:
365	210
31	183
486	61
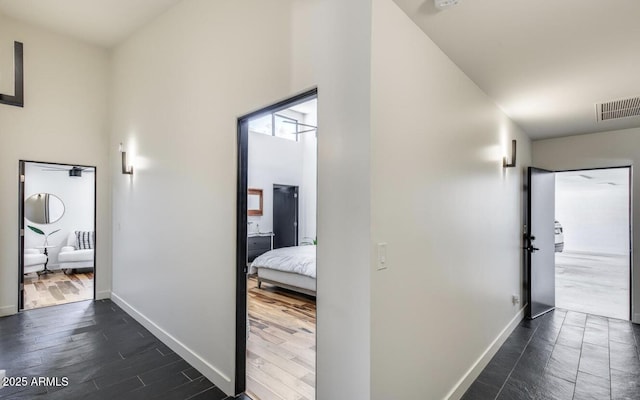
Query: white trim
8	310
103	294
465	382
212	373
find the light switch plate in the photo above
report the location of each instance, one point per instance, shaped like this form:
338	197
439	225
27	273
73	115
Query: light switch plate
382	256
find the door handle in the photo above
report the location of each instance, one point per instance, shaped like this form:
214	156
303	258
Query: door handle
531	249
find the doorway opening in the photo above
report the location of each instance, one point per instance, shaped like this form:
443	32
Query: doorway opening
276	253
57	216
592	241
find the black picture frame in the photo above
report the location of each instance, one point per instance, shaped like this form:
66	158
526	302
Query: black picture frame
17	99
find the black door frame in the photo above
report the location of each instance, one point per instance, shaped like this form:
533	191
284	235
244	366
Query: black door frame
21	235
630	168
241	229
21	199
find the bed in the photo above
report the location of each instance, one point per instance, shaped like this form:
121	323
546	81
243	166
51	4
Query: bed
292	268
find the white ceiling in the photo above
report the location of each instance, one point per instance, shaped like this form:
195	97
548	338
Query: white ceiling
600	179
544	62
101	22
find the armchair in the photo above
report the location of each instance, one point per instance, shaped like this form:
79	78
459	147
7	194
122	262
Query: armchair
71	257
34	261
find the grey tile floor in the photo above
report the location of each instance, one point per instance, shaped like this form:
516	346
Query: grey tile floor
564	355
104	353
593	283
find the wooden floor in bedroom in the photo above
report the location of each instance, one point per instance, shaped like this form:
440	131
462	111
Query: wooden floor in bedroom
56	288
281	350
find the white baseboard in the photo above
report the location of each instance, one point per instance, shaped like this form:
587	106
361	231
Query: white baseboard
465	382
103	294
636	318
212	373
8	310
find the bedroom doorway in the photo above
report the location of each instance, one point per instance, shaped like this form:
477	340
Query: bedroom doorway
276	253
57	218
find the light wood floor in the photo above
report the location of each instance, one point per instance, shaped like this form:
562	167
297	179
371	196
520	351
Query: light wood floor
281	350
56	288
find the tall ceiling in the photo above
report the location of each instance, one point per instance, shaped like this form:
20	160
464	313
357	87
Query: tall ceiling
546	63
100	22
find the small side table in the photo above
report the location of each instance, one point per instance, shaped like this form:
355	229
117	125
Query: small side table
46	253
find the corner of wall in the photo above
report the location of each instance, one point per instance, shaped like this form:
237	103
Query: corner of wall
8	310
211	372
103	294
470	376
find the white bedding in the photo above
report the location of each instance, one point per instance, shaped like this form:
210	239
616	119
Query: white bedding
298	259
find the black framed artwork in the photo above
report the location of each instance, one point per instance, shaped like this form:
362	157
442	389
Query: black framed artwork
17	99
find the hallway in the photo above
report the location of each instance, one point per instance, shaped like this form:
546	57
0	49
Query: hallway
101	350
564	355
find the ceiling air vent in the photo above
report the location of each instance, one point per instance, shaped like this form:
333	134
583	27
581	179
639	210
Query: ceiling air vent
618	109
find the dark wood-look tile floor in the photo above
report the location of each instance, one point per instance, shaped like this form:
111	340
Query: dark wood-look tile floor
102	351
564	355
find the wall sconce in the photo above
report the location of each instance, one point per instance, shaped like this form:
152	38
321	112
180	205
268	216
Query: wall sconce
512	163
126	168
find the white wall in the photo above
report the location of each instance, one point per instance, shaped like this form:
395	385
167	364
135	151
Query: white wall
600	150
6	66
64	120
77	194
179	85
272	160
308	190
449	212
594	216
332	50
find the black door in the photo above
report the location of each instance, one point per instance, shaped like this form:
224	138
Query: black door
21	237
539	242
285	216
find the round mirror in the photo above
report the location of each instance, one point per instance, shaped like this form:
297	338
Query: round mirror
43	208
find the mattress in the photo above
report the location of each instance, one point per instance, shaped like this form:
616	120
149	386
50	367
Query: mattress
299	260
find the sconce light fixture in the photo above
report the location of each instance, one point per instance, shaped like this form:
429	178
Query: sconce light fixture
511	163
126	168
